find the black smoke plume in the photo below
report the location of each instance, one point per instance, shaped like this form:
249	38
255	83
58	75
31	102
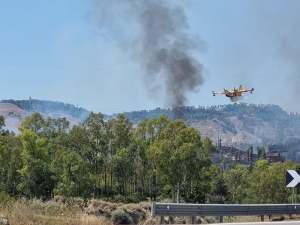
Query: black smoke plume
155	34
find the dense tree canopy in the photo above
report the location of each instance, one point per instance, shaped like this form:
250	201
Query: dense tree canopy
157	158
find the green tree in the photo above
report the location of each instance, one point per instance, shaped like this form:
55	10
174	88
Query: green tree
96	150
201	183
219	192
118	135
123	167
123	137
57	148
76	180
2	124
35	173
261	153
146	134
155	128
140	135
176	154
267	182
10	162
236	181
34	122
249	152
54	127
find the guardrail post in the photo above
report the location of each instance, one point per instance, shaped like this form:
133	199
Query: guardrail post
153	209
221	219
161	220
262	218
193	220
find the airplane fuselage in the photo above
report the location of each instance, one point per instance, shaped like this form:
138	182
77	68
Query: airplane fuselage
233	94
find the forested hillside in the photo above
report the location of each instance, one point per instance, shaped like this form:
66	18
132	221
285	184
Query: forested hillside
238	125
57	109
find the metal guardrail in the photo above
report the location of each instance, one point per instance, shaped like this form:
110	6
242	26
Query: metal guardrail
180	209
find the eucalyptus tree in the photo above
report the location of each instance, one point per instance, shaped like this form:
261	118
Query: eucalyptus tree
54	135
123	166
236	181
2	124
122	131
76	179
33	156
79	142
218	190
54	127
140	135
58	145
152	135
111	151
201	182
45	127
175	154
156	126
123	138
34	122
10	162
96	151
35	172
118	135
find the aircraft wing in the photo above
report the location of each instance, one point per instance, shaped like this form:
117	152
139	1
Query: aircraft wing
221	92
246	90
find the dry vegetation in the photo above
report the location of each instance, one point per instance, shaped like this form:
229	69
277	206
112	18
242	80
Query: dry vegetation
6	108
62	211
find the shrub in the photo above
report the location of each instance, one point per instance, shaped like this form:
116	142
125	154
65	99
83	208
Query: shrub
120	217
5	197
118	198
166	191
145	205
133	198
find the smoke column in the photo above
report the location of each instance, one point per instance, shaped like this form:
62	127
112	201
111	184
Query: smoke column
159	42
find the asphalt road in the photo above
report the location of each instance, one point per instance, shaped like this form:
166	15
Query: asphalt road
263	223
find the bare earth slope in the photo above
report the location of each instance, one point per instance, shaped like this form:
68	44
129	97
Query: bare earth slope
6	108
216	129
14	116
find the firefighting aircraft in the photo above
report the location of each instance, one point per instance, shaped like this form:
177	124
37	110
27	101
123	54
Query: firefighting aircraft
234	92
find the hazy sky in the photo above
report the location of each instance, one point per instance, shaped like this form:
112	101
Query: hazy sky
103	55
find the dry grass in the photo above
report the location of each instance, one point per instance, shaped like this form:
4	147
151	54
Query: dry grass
61	211
6	108
25	212
70	211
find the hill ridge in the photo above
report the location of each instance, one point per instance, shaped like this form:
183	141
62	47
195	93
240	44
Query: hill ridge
238	124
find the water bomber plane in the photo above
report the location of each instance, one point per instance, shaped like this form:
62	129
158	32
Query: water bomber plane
233	93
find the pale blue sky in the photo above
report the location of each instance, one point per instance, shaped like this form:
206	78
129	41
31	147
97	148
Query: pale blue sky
55	50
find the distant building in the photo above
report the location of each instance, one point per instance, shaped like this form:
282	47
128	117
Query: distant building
31	99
